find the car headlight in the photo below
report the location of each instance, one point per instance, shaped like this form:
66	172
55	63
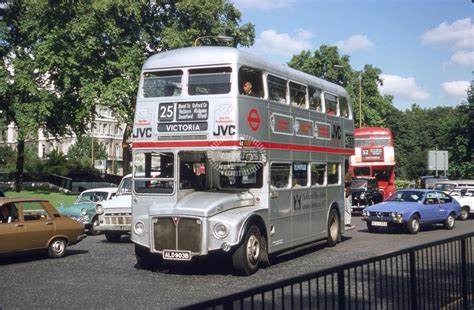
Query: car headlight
221	231
396	215
84	211
99	209
365	213
139	228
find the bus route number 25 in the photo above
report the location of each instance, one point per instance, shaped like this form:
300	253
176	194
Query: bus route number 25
166	112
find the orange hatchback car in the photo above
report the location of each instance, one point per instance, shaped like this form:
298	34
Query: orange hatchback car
34	224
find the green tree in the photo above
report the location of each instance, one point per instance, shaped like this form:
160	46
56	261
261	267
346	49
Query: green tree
327	64
68	58
81	151
93	51
461	139
23	99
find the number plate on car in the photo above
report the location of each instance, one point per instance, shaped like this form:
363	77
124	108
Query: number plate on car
378	223
176	255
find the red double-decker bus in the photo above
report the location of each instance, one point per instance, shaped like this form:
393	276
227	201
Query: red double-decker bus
375	157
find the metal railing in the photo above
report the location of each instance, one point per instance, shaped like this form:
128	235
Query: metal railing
437	275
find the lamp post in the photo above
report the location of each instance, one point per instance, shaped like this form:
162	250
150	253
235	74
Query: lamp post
360	101
219	37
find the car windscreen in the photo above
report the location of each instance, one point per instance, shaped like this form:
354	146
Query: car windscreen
358	184
92	197
407	196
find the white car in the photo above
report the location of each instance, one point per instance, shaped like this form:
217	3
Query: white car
465	197
115	216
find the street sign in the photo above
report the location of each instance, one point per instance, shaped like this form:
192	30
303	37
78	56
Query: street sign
438	160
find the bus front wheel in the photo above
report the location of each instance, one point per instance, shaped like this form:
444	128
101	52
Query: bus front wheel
246	258
147	260
334	228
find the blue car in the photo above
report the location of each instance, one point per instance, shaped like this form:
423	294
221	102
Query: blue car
411	209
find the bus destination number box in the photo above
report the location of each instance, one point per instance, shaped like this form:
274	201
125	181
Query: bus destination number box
183	116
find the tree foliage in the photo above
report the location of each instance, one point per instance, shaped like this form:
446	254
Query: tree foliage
327	64
82	150
60	60
415	130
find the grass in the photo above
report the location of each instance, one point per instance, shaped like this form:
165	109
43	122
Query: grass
55	198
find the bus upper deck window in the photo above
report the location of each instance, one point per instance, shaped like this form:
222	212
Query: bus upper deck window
315	99
209	81
331	104
162	83
343	105
276	89
252	76
298	95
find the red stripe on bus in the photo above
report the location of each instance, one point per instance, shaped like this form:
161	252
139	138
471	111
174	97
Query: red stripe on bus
223	143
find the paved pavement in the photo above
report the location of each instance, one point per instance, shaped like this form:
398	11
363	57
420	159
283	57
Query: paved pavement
97	274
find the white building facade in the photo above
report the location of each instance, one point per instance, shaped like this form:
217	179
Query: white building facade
106	130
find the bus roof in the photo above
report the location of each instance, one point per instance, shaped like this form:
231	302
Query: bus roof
376	131
217	55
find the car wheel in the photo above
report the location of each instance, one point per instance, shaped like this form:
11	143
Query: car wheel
450	221
57	248
464	213
93	229
372	228
413	225
147	260
246	258
113	236
334	228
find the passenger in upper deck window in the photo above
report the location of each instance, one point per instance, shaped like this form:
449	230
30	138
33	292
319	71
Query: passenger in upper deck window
330	112
247	89
168	91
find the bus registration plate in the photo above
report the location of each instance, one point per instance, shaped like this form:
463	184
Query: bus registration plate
378	223
176	255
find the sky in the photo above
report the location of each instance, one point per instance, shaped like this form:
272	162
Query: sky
424	48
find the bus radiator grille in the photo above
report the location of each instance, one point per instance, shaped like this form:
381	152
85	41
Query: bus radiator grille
185	235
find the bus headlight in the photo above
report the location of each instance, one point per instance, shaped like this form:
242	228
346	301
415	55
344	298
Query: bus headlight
84	211
139	228
99	209
362	195
221	231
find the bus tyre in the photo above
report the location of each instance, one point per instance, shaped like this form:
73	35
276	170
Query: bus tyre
334	228
147	260
246	258
413	225
450	221
112	236
464	213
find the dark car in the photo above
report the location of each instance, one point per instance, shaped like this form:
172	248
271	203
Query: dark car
365	192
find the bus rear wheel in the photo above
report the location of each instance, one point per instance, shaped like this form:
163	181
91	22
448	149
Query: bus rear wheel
147	260
246	258
334	228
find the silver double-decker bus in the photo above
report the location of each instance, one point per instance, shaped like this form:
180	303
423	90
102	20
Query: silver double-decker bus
251	174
